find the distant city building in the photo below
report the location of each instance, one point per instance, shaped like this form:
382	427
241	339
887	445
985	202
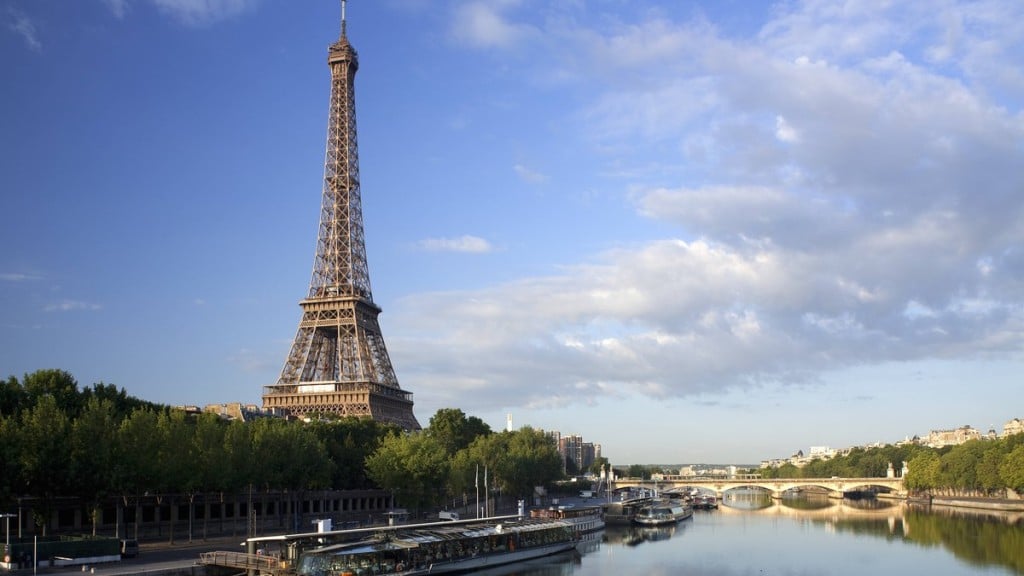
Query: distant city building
823	452
940	438
934	439
555	436
700	471
573	449
233	411
1015	426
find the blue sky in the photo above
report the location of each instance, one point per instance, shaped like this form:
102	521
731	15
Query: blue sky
689	231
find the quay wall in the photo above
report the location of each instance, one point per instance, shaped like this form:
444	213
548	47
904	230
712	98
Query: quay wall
980	504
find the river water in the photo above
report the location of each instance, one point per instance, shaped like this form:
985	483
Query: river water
752	535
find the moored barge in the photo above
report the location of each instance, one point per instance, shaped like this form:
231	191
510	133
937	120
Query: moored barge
441	549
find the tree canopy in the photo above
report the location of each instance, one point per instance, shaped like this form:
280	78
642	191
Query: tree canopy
94	443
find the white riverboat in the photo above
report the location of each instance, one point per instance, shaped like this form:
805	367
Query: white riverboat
662	512
441	549
584	519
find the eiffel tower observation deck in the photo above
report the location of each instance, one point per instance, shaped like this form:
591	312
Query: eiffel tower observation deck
338	364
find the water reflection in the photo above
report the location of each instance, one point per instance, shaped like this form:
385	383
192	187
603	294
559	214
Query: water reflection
636	535
747	499
558	565
980	538
788	536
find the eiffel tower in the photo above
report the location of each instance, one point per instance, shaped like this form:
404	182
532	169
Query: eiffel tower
338	363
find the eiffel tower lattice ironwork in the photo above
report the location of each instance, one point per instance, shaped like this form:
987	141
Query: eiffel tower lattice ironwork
338	363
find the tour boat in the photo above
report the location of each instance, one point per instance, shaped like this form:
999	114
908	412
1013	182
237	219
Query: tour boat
441	549
584	519
706	502
661	513
621	513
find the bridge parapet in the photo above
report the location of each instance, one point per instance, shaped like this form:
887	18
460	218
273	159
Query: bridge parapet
774	485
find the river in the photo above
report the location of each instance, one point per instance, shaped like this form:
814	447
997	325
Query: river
752	535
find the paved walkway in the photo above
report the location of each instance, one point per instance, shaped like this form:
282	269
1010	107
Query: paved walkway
153	557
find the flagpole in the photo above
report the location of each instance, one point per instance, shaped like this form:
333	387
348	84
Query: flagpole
476	483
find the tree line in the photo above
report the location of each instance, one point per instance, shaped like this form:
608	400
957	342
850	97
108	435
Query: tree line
985	467
57	440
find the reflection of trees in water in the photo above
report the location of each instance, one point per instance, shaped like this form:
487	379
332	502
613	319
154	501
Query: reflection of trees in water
807	501
981	539
872	504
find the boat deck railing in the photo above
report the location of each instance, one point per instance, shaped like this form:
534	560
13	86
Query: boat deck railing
259	563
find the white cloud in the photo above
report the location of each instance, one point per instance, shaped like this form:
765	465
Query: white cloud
467	243
18	277
529	175
188	12
784	131
483	24
845	190
19	23
71	306
118	7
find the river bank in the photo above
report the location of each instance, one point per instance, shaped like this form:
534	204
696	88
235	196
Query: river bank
980	503
995	504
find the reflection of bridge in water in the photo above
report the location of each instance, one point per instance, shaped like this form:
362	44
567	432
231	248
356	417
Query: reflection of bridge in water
830	510
835	487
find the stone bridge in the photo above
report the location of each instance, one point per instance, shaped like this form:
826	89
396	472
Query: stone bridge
776	486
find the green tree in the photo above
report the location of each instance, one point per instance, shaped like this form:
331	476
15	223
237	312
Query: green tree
598	465
571	468
959	466
93	437
45	456
123	404
176	459
414	467
821	468
288	455
136	466
10	459
208	447
1012	469
59	384
13	397
238	457
238	465
454	430
924	472
349	441
529	459
987	472
638	471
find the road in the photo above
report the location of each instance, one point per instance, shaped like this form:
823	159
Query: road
152	556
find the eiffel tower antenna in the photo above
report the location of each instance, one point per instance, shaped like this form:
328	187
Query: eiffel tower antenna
342	18
338	363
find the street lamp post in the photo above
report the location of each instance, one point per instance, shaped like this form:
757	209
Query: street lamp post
7	529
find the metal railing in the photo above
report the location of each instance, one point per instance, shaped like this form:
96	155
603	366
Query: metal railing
242	561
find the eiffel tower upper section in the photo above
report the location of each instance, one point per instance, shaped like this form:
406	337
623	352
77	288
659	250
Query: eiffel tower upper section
338	363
